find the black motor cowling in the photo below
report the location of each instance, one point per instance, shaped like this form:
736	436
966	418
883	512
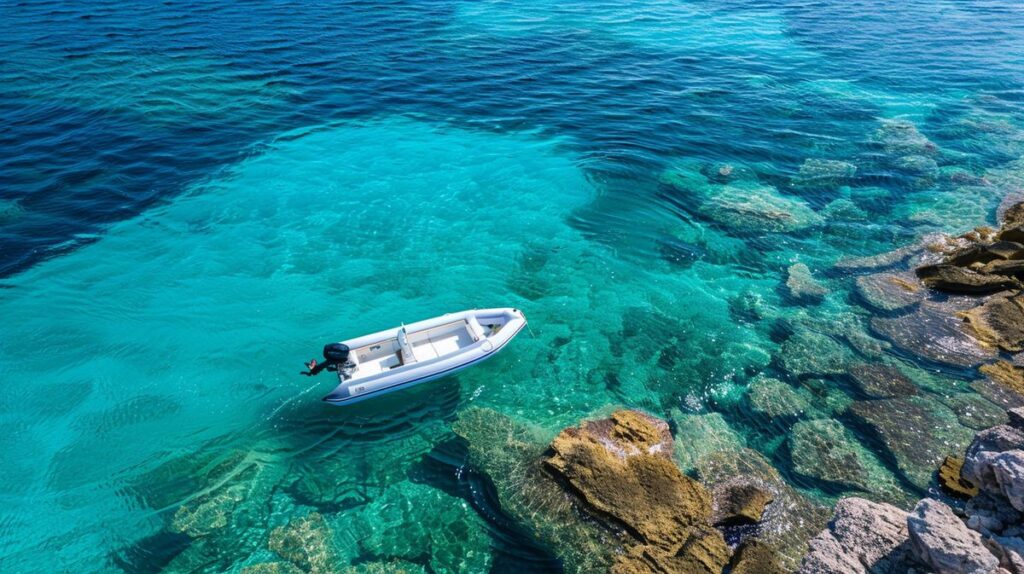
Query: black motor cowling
336	352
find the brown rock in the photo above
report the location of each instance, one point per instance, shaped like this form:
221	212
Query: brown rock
306	543
756	557
1004	373
803	286
739	501
999	321
953	279
1013	216
621	469
949	478
935	332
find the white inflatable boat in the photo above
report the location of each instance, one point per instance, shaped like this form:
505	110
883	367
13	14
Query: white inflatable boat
411	354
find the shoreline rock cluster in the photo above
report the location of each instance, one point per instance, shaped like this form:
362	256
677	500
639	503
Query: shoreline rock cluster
985	536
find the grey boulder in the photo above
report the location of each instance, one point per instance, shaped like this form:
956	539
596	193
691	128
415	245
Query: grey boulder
939	539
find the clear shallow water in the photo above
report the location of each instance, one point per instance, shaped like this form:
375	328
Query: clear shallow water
194	200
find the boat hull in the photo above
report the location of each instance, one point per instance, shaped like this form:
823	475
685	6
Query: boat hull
361	389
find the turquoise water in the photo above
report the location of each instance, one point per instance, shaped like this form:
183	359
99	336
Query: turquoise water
187	215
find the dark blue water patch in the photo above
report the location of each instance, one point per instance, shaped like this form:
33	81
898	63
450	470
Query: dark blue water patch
152	553
623	103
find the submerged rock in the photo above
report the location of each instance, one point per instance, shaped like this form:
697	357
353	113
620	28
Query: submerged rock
826	450
512	456
306	543
773	398
802	286
751	207
974	411
863	537
890	291
415	522
881	381
934	332
901	138
829	173
700	435
917	432
621	468
789	521
943	542
739	501
808	352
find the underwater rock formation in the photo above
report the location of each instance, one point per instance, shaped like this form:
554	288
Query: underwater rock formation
511	455
751	207
773	398
879	381
826	450
701	435
973	410
621	468
1006	374
890	291
916	431
825	173
934	331
306	543
803	286
739	501
789	521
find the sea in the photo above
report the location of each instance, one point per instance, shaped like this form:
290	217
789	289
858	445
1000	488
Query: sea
195	196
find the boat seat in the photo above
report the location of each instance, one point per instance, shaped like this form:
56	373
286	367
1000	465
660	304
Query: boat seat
398	357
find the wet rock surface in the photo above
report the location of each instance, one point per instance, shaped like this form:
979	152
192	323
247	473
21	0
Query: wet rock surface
773	398
935	332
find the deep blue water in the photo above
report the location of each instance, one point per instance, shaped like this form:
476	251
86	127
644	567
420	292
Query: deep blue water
194	195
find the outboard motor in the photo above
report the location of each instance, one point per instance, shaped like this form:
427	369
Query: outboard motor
336	353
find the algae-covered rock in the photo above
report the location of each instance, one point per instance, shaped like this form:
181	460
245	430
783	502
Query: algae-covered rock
916	431
773	398
973	410
890	291
385	567
1004	373
952	482
878	381
826	450
955	279
808	352
756	557
901	138
824	172
511	455
698	435
621	468
307	543
803	286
